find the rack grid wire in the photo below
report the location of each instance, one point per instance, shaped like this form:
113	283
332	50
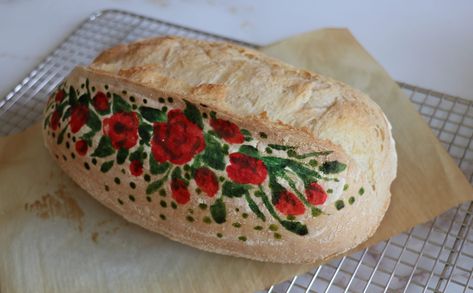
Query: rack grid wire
432	257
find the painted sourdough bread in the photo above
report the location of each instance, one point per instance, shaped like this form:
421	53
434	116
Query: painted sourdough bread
224	149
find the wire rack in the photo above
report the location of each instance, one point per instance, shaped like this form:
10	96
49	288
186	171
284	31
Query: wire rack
433	257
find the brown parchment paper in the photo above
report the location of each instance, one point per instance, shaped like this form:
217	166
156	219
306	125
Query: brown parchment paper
56	238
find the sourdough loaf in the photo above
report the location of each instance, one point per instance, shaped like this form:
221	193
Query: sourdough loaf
225	149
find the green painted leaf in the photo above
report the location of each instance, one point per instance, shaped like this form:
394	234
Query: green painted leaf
94	121
231	189
84	99
245	132
60	137
213	155
193	114
218	211
249	150
152	115
176	173
137	155
332	167
145	131
88	137
295	227
154	186
276	189
157	168
121	156
104	148
281	147
72	96
106	166
119	104
254	207
307	175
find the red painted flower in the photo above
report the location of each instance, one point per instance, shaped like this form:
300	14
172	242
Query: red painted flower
315	194
179	191
54	123
79	116
206	180
227	130
100	102
246	170
122	128
136	168
178	140
59	96
81	147
289	204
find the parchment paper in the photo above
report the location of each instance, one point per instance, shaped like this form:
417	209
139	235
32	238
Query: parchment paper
56	238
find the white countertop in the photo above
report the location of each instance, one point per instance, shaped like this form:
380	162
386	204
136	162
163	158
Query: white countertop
424	42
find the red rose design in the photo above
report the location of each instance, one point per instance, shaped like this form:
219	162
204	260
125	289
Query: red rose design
227	130
136	168
178	140
315	194
179	191
59	96
289	204
246	170
100	102
54	122
81	147
79	116
206	180
122	128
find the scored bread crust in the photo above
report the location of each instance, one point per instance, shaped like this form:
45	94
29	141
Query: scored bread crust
292	106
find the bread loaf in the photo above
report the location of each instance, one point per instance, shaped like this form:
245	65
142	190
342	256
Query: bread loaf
224	149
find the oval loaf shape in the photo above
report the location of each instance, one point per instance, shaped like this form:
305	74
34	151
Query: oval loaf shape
224	149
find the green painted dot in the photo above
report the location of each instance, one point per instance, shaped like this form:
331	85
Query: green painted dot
132	185
336	180
163	204
339	204
316	212
190	211
86	165
73	139
164	109
162	192
225	149
134	106
107	188
109	94
82	85
94	161
116	180
345	187
361	191
291	153
161	100
144	155
291	217
145	101
93	88
330	190
247	138
123	171
221	178
186	167
277	236
124	92
148	198
244	215
242	238
205	115
65	158
219	235
163	217
68	135
54	134
269	150
67	145
187	176
207	220
173	205
106	86
202	206
236	225
198	190
351	200
263	135
170	100
131	197
237	210
273	227
190	219
313	163
258	228
120	201
132	99
147	178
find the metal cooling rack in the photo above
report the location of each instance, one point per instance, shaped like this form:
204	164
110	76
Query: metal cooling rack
433	257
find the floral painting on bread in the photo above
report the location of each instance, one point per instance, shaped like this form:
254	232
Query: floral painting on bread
172	146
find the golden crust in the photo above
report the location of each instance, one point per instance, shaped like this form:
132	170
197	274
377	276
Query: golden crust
292	106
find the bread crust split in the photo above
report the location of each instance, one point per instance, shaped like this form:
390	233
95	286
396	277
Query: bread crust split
287	167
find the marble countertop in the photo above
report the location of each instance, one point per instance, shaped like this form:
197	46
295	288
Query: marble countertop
425	43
